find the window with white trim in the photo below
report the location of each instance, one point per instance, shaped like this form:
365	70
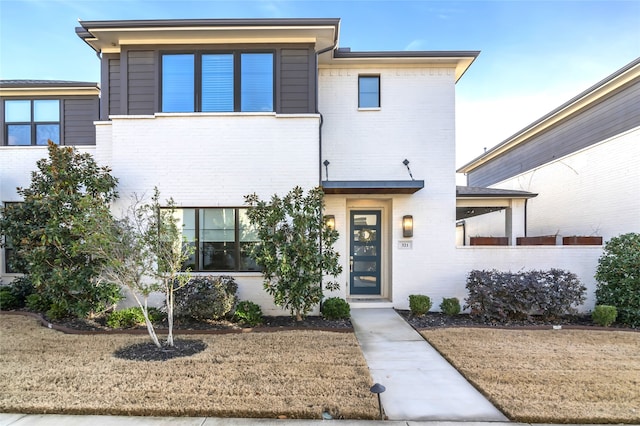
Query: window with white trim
368	91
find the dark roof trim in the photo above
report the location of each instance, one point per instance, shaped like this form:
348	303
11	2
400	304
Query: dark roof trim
18	84
159	23
470	165
480	192
348	54
372	186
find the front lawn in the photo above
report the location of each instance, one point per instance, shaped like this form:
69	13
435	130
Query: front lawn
550	376
297	374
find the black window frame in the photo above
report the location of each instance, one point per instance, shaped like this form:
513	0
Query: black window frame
194	261
379	103
237	72
32	123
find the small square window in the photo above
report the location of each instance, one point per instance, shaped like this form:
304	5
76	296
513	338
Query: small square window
369	91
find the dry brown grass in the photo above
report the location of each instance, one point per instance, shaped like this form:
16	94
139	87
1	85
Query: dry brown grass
297	374
555	376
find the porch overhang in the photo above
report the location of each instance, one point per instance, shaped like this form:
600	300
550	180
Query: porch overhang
476	201
372	186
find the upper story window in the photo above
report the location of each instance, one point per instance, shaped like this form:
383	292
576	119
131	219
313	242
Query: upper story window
369	91
222	238
31	121
217	82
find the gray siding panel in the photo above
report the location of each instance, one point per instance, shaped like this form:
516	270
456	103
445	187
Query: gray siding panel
297	89
79	115
618	113
115	87
141	82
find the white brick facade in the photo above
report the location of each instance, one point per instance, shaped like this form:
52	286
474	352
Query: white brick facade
591	192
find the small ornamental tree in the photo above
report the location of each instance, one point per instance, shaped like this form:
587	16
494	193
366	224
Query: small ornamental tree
618	277
48	231
144	252
295	249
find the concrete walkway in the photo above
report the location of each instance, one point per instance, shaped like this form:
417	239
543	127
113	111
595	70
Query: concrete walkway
420	384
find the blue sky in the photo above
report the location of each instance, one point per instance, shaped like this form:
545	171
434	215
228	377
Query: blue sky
535	55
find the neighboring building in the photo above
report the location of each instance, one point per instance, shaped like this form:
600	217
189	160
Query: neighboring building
582	159
33	112
212	110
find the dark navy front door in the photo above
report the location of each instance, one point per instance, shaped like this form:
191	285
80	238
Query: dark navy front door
365	253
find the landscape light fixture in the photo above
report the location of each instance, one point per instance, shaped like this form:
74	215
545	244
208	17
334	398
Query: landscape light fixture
378	389
407	226
330	221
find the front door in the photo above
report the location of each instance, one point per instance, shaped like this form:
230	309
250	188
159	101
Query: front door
365	252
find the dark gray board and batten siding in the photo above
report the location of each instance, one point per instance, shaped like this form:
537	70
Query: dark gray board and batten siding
79	115
139	95
617	113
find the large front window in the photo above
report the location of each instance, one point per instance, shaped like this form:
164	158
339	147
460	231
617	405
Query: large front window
217	82
222	238
31	121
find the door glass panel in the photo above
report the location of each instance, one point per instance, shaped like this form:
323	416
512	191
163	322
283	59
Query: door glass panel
365	250
364	282
365	219
365	266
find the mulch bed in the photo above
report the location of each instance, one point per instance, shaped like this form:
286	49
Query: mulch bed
534	322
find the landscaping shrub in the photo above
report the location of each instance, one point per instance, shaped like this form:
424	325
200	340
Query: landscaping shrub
132	317
14	295
604	315
206	297
248	313
450	306
419	304
335	308
8	300
618	276
37	302
506	295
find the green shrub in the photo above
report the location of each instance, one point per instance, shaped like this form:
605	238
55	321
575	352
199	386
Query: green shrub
335	308
248	313
36	302
132	317
618	276
419	304
8	300
604	315
450	306
505	295
206	297
14	295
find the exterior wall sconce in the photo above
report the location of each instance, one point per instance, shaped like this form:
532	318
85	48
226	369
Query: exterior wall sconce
407	226
330	221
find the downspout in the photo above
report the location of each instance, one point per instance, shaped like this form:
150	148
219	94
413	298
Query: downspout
335	43
526	200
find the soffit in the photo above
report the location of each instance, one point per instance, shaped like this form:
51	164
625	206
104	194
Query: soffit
108	37
460	61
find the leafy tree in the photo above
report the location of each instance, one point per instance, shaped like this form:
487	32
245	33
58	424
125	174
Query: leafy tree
295	249
48	231
144	252
618	276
